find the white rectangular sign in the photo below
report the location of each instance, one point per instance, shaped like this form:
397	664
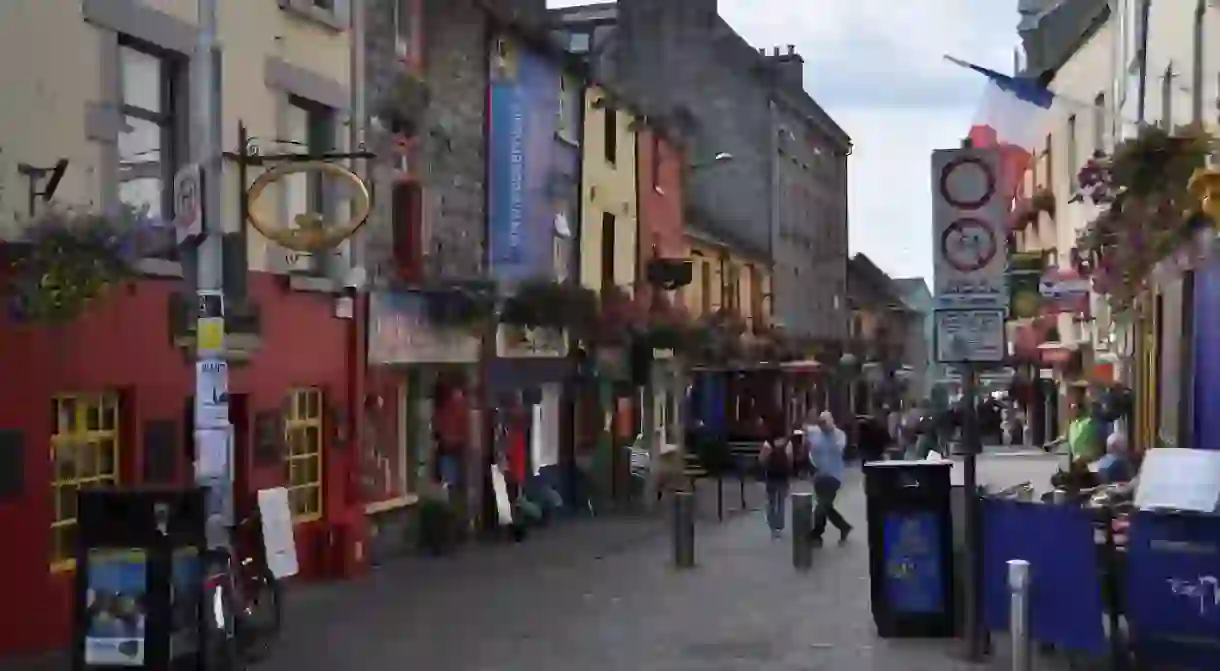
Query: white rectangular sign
279	540
211	393
969	231
970	336
188	203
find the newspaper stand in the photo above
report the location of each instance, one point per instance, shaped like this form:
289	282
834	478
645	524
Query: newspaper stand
139	579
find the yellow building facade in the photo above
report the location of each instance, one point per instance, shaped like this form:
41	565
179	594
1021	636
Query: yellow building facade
114	101
724	278
609	209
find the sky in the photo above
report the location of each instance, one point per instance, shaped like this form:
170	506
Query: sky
876	67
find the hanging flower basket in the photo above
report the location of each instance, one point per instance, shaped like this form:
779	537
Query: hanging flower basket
65	259
619	318
459	308
550	304
1148	214
404	102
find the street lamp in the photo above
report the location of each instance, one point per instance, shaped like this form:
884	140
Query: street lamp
720	157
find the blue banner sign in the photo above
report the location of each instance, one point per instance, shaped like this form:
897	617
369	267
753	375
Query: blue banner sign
1065	586
522	162
914	567
1173	589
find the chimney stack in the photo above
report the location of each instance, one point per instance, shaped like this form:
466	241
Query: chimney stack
791	49
775	51
762	51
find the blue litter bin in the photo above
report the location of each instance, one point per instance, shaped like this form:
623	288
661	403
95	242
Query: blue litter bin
910	539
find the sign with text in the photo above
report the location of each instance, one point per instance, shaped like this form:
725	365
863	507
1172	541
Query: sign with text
968	229
211	393
970	336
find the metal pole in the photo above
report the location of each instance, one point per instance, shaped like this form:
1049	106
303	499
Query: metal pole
970	572
213	432
1142	53
684	529
802	523
1018	614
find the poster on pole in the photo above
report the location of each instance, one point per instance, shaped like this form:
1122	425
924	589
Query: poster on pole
969	232
970	336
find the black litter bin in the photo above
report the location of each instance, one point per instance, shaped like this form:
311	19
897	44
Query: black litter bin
139	579
910	542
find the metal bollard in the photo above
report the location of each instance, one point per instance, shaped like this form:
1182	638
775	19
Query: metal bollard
802	524
1018	616
1059	497
684	529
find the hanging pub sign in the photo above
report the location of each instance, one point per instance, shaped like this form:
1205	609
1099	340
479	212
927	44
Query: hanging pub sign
310	233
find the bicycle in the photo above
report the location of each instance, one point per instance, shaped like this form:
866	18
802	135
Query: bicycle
243	604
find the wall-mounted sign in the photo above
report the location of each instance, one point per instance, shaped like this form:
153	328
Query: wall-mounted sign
970	336
401	333
312	234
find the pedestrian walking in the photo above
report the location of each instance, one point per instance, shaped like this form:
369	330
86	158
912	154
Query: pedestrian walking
775	457
826	444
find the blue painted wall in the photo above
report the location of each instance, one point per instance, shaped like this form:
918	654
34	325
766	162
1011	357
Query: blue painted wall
1206	424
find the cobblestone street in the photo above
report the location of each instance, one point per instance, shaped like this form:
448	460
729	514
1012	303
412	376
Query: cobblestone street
743	607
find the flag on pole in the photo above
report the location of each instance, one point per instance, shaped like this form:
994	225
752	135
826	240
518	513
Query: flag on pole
1013	117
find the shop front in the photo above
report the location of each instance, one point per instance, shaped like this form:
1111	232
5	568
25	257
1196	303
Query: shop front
106	401
420	439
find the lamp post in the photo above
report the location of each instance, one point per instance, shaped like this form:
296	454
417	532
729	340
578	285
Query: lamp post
849	370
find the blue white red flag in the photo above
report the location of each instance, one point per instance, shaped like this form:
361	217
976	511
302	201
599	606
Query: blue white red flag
1013	116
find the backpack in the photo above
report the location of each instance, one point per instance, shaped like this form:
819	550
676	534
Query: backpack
779	466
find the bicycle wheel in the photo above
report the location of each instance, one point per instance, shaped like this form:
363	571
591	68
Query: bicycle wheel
262	615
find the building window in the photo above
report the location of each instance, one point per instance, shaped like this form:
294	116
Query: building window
310	128
406	223
579	43
1099	122
610	120
303	435
404	32
328	5
1167	98
1050	164
608	279
84	453
148	146
705	287
654	161
1071	154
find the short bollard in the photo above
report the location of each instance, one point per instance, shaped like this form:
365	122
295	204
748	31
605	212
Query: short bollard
684	529
1018	616
802	525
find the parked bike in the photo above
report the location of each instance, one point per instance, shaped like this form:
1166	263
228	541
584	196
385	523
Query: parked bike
243	600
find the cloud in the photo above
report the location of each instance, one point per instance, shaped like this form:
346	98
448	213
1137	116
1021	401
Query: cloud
877	67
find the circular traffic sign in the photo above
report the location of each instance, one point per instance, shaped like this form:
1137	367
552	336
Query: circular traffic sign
960	201
968	244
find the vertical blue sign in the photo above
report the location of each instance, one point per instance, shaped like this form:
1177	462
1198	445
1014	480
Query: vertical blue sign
913	563
523	120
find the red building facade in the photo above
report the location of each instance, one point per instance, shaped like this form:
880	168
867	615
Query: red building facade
659	173
107	401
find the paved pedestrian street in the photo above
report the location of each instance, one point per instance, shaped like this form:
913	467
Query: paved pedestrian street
623	608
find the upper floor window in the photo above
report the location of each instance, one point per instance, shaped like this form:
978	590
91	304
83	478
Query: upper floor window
328	5
654	161
149	151
1099	122
580	43
610	120
405	46
1072	156
309	128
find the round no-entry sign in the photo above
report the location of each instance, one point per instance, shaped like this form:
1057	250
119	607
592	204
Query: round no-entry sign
955	177
968	244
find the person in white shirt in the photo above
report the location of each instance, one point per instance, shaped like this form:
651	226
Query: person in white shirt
826	445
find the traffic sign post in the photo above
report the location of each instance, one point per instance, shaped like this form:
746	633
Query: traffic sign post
969	237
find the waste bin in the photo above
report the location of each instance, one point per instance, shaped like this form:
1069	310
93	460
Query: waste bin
138	579
910	539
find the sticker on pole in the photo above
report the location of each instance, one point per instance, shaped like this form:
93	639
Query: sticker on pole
188	203
969	230
970	336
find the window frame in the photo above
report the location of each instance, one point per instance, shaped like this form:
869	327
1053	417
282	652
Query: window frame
299	422
62	554
610	134
170	122
320	124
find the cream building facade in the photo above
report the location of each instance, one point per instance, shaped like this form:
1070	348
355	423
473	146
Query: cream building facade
113	97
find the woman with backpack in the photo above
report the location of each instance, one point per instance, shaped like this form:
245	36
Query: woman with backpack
775	458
